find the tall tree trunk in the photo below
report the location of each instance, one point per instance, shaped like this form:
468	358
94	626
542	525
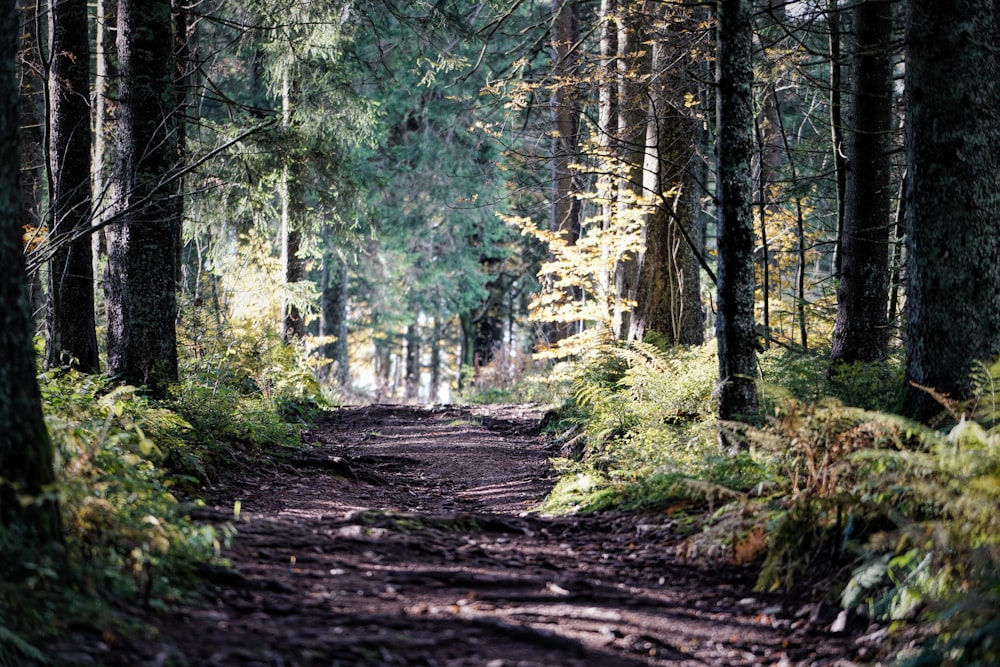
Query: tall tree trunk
861	331
72	333
25	448
140	283
632	63
292	214
181	60
565	211
668	293
31	137
735	318
771	156
834	18
953	203
607	127
467	367
105	76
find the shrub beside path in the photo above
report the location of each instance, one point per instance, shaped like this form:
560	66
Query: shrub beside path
405	536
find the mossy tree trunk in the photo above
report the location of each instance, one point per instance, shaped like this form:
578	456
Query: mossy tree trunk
953	202
735	316
140	284
26	500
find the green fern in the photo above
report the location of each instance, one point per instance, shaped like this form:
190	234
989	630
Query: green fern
14	650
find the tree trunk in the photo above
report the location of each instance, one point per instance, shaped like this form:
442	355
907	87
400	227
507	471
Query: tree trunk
292	220
412	380
105	89
833	17
31	116
72	334
630	136
140	282
333	317
861	331
607	124
25	448
436	361
668	293
735	318
467	368
565	209
953	203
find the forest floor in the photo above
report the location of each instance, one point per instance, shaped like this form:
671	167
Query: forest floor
406	536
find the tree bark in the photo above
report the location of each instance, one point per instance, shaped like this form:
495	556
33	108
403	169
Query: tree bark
953	203
31	135
140	282
735	318
292	219
72	334
632	63
861	330
333	317
668	293
412	381
565	113
25	448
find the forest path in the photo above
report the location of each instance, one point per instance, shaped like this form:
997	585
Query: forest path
404	536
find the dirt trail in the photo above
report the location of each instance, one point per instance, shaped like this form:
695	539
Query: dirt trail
404	537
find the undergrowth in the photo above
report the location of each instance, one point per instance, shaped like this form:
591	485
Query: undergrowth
128	468
834	489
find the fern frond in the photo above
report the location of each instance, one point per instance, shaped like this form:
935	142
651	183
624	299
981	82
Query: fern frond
22	648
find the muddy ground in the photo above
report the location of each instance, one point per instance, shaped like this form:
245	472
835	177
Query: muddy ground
406	536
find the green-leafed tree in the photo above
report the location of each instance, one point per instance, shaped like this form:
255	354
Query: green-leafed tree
27	500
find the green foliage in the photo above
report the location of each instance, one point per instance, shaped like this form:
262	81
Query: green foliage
14	649
945	563
834	482
808	376
635	435
249	391
124	528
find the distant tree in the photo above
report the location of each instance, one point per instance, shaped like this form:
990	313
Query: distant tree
565	109
71	323
140	283
632	115
861	331
333	317
26	499
735	327
952	91
291	191
31	114
668	293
